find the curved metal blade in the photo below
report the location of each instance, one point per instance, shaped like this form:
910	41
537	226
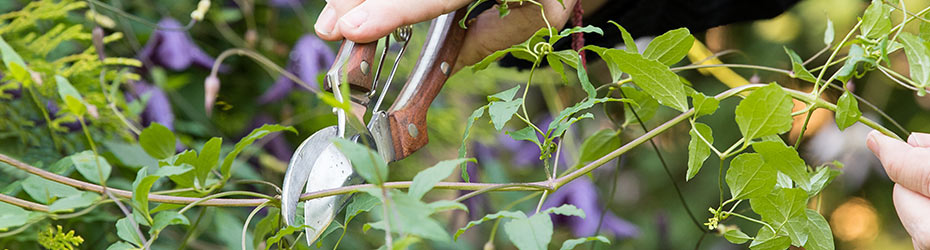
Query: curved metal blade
331	170
298	170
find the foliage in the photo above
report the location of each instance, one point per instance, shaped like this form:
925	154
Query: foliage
156	185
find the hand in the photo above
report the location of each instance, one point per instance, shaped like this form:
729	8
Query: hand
367	20
908	165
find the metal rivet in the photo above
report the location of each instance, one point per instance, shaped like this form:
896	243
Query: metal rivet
412	129
364	67
444	67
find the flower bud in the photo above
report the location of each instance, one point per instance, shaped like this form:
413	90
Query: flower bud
211	88
201	10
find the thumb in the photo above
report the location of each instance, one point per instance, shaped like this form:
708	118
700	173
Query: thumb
904	164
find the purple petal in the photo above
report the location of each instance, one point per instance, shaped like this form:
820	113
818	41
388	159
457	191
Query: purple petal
583	194
158	108
309	57
173	49
282	3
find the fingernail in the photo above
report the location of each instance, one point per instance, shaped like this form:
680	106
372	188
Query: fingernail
355	18
872	142
326	22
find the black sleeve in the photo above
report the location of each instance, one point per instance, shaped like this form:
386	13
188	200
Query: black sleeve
654	17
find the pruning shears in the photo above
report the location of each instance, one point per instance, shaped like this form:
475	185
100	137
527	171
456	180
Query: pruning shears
394	133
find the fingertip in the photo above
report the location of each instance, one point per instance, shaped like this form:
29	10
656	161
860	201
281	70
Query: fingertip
919	140
872	142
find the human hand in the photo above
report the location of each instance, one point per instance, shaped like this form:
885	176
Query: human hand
908	165
367	20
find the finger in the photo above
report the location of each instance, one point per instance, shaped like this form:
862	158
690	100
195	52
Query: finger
905	165
919	140
489	32
325	26
374	19
912	210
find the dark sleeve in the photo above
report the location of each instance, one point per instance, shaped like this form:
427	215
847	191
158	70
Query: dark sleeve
654	17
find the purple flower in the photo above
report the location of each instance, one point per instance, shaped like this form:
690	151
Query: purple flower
309	56
283	3
583	194
277	145
173	49
157	108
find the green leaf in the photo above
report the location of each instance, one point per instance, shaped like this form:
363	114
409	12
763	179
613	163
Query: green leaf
736	236
494	216
819	233
501	112
281	233
121	245
366	162
784	210
855	56
698	150
412	216
671	47
847	111
143	184
525	134
45	191
484	63
444	205
248	140
579	29
86	163
767	111
462	148
360	203
876	21
646	105
68	204
797	67
207	159
13	216
557	58
265	226
566	210
158	141
425	180
9	56
785	159
65	89
506	95
821	178
704	105
126	230
768	240
534	232
571	244
165	219
918	58
598	145
75	105
628	41
749	177
653	77
829	34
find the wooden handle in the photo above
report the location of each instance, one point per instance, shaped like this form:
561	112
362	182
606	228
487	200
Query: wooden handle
407	117
356	63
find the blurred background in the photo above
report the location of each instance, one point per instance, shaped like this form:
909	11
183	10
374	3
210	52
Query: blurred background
634	195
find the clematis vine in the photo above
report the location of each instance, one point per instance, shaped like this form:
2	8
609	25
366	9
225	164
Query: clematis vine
583	194
308	58
173	49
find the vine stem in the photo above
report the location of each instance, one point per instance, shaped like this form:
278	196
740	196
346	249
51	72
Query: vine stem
264	61
531	186
245	226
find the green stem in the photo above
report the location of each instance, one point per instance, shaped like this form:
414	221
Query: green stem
750	219
224	194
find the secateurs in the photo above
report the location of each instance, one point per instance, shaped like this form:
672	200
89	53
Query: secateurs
394	133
